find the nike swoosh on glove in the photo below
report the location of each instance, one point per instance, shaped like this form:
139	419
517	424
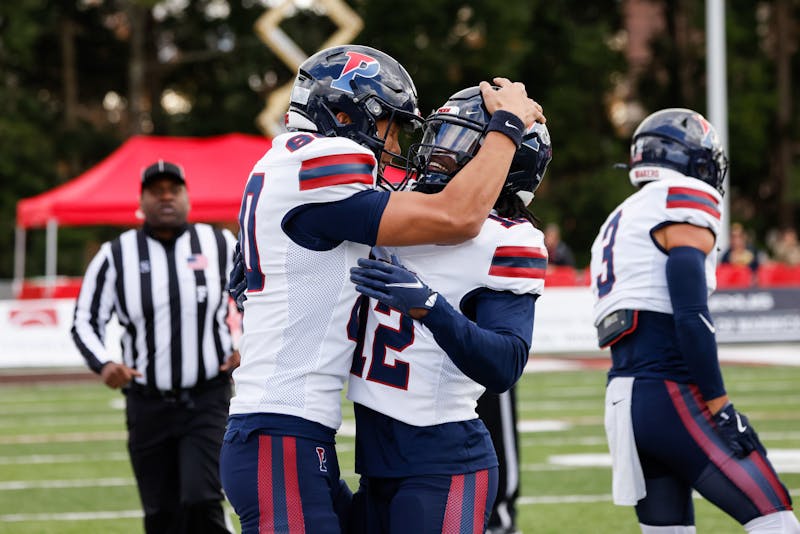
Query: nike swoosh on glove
237	281
392	284
736	431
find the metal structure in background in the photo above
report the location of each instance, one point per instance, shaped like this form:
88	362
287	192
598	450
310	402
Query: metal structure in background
717	98
267	27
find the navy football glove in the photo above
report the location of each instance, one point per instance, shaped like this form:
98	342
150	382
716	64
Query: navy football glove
735	430
237	281
392	284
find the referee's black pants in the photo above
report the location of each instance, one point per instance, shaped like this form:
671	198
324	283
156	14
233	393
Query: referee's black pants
499	414
174	442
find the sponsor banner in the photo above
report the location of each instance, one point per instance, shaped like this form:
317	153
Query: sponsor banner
756	315
564	321
36	333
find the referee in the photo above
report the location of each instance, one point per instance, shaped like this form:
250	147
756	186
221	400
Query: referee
166	284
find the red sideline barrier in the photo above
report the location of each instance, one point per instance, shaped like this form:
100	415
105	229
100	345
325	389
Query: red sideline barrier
778	275
734	276
728	277
62	288
563	276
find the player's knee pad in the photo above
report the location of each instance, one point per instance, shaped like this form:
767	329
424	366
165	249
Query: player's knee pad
670	529
777	523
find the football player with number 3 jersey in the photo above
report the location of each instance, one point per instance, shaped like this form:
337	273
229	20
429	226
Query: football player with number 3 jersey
670	426
310	209
426	461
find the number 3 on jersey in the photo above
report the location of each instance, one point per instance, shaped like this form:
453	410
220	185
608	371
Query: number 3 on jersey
247	234
605	281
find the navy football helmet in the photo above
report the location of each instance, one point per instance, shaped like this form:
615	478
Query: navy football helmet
360	81
682	140
452	136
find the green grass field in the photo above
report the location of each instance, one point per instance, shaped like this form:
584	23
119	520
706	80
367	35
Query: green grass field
64	467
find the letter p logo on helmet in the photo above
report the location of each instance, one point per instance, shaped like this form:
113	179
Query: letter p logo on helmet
357	65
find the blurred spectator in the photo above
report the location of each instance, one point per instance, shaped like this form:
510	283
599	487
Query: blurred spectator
785	248
558	252
741	251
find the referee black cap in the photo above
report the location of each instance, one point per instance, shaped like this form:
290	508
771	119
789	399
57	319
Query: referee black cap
162	169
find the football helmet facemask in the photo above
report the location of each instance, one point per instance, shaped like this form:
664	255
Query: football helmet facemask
366	84
454	133
678	139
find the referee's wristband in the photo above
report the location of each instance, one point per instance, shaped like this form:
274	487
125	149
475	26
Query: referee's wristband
507	124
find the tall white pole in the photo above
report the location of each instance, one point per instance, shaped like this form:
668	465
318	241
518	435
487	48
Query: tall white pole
50	256
19	260
717	95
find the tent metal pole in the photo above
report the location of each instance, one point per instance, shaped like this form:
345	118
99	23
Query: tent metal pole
19	260
50	258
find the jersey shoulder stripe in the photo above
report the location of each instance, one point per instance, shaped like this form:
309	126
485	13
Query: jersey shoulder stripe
519	262
337	169
687	197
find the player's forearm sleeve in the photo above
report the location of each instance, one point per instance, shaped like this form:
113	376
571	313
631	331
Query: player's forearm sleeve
694	329
324	226
494	351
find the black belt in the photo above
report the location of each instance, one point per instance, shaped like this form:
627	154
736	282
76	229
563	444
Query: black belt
180	394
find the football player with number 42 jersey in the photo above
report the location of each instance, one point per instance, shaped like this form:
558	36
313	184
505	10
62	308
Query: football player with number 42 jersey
426	461
670	426
310	209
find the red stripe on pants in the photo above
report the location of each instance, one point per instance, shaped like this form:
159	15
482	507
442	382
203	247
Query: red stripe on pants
294	504
266	517
452	513
479	507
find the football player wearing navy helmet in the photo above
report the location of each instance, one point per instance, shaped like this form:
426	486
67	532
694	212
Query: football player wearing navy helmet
346	90
682	140
454	134
670	425
473	334
311	207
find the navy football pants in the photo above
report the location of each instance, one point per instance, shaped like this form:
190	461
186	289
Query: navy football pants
680	450
431	504
284	484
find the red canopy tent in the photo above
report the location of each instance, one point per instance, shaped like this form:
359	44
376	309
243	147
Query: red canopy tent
108	193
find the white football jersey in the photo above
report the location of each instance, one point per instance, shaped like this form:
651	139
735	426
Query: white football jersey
628	267
295	352
402	372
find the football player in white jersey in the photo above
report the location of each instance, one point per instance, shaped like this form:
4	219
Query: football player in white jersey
426	461
670	425
310	209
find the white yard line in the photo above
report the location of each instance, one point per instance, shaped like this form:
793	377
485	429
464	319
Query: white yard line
67	437
565	499
63	458
17	485
72	516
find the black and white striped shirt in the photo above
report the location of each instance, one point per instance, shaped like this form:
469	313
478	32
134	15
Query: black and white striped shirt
170	300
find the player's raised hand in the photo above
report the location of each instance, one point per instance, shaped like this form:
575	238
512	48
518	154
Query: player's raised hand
512	97
393	285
